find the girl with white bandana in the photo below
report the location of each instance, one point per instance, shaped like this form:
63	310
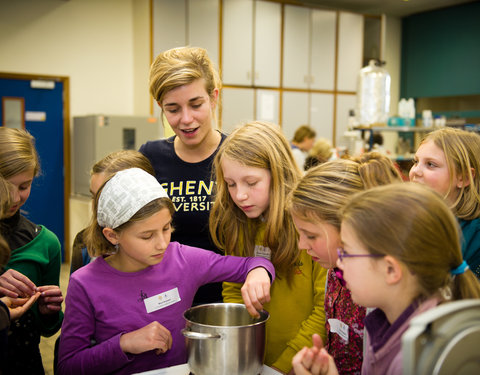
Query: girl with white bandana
124	310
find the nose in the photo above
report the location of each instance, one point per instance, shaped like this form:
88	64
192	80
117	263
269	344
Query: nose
414	171
162	242
241	194
16	197
302	244
187	117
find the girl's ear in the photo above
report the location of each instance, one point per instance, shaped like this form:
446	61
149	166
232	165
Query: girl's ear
214	98
393	270
110	235
461	182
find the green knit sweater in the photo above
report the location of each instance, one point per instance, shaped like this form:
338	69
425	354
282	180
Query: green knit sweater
40	261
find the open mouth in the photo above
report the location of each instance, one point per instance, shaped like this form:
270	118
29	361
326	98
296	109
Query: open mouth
189	131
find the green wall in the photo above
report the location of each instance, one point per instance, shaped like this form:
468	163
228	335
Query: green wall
441	52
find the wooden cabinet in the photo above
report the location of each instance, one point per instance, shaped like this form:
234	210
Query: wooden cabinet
309	48
251	43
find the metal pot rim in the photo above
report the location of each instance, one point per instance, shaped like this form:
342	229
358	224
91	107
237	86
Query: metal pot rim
260	320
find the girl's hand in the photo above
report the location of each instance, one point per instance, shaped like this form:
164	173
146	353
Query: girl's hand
50	300
14	284
314	360
18	306
256	290
152	336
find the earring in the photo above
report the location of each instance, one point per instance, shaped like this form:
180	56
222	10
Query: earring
117	245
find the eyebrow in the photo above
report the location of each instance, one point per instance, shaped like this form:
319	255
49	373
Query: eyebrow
190	101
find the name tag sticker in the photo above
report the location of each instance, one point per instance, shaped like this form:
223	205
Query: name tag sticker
162	300
262	251
339	328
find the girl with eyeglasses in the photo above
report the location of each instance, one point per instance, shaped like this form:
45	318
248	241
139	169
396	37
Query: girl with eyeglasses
401	254
314	204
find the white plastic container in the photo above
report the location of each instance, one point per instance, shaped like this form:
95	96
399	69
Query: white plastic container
427	118
373	95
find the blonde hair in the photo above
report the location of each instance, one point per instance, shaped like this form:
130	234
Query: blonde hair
324	189
17	152
322	150
377	169
180	66
303	131
413	224
260	145
462	152
5	197
96	242
4	205
120	160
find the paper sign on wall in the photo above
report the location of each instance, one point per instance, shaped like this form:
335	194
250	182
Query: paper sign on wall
35	116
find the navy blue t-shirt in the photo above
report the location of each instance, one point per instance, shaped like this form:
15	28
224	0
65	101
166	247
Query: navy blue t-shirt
190	187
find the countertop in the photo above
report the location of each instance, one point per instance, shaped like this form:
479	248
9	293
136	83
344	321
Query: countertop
185	370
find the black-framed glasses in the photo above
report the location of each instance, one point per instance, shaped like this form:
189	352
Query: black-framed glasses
342	254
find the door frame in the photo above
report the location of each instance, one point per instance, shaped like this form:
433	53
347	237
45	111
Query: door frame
66	146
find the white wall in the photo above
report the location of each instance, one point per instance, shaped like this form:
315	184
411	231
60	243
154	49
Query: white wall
103	46
392	55
94	42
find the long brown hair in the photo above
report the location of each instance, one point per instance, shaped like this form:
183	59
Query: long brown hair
413	224
462	150
17	152
4	205
260	145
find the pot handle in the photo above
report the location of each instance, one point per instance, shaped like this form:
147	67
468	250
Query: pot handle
199	336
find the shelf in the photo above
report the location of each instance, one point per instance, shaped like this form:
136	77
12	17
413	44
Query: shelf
405	129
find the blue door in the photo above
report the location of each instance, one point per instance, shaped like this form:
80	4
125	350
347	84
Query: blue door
43	118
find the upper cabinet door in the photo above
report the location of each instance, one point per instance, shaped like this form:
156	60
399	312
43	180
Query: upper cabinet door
296	44
350	50
237	43
268	27
168	25
322	56
203	27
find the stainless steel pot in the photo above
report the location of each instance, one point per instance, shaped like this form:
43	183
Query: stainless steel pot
223	339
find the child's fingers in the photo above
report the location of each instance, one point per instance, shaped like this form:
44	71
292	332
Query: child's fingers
317	341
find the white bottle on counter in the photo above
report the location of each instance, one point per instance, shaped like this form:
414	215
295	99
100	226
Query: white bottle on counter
427	118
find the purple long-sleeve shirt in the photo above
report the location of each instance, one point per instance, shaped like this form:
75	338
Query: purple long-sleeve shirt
102	303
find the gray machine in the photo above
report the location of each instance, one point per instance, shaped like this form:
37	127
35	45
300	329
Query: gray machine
95	136
444	340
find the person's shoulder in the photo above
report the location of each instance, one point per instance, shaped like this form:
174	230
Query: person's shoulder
88	271
158	148
152	145
472	226
48	236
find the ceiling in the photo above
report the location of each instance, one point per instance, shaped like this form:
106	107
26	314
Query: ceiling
397	8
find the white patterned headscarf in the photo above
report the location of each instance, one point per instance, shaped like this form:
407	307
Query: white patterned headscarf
126	193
